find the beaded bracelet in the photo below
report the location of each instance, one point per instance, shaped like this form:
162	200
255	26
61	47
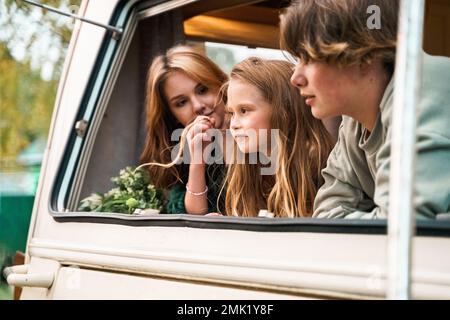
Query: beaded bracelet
197	193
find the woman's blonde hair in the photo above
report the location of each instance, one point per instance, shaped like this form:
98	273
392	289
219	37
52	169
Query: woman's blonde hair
303	145
160	122
337	32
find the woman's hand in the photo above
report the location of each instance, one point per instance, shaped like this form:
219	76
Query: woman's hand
196	201
198	139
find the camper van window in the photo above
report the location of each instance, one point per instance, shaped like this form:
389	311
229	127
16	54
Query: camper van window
228	55
97	179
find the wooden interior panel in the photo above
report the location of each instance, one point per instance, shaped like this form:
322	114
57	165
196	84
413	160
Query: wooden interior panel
254	14
252	23
202	6
232	31
437	27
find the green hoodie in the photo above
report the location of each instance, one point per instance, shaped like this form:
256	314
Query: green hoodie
357	172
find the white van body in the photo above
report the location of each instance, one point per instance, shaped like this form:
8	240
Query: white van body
98	260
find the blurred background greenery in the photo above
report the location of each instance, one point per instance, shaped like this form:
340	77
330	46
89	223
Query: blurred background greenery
33	44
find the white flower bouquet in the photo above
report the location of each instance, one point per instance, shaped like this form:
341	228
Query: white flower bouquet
133	194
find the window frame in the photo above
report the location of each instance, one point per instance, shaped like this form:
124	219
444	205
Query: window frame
101	81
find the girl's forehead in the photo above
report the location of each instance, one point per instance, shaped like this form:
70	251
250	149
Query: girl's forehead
240	83
179	75
238	89
179	81
244	93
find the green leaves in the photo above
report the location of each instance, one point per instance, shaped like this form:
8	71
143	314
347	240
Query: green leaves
26	105
133	194
132	203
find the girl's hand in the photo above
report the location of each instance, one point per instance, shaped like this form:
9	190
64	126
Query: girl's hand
198	138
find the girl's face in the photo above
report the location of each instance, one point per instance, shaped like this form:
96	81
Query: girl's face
329	90
250	113
188	99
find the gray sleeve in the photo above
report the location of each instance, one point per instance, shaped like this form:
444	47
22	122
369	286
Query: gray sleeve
432	166
431	179
342	197
342	194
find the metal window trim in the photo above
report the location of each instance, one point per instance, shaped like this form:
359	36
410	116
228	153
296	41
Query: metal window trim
96	113
401	220
74	149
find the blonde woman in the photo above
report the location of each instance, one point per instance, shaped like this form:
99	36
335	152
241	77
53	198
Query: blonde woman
182	90
260	98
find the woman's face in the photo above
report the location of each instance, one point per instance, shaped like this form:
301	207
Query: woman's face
188	99
250	113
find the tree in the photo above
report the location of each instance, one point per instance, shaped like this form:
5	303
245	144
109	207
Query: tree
26	104
32	41
35	34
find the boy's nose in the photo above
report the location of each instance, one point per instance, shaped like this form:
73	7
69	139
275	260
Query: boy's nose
298	78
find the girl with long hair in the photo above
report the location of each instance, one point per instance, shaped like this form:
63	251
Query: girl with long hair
182	91
260	99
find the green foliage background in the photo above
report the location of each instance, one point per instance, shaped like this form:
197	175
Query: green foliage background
26	99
